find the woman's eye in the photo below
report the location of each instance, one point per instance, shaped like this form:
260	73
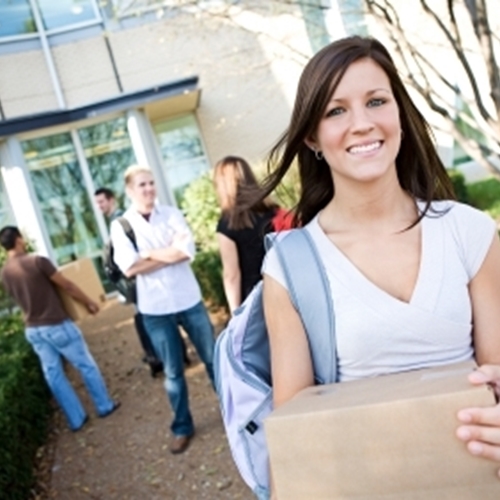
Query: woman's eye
373	103
334	112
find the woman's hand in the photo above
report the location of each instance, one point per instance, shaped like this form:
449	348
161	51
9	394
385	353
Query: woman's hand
481	426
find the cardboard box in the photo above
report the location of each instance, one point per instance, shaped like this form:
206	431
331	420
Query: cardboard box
390	437
82	272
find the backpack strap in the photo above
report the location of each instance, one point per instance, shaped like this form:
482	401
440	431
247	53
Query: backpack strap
311	296
129	232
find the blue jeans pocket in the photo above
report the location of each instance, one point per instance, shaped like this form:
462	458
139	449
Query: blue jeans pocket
59	335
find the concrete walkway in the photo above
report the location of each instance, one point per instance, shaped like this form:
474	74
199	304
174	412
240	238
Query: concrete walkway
125	456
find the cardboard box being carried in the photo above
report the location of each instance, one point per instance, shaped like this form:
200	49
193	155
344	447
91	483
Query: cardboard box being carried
82	272
390	437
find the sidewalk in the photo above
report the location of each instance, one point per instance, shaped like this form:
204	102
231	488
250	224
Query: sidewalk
125	456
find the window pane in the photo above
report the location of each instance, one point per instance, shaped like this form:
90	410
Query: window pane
182	151
62	197
59	13
109	152
16	18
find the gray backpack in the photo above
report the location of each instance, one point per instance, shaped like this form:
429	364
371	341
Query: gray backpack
242	359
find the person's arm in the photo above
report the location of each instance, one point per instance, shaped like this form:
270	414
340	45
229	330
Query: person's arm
74	291
291	363
126	256
231	273
143	266
172	254
182	246
481	426
484	291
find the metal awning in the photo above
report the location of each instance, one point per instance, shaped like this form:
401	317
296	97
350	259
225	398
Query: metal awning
158	102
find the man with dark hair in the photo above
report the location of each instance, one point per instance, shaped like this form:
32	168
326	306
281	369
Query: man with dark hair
32	281
106	201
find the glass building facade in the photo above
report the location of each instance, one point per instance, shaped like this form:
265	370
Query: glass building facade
63	169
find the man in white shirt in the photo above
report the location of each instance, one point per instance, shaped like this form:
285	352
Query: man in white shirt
168	294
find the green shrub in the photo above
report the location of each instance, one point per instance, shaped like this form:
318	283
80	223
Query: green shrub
24	410
202	212
485	195
459	185
208	269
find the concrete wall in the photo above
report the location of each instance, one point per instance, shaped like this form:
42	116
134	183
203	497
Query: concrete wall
85	71
25	85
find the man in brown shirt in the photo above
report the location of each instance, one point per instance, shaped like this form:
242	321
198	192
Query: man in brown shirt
32	281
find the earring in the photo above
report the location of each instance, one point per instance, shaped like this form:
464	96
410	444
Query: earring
318	154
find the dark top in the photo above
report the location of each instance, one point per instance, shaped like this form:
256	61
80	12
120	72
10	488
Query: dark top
117	213
250	247
27	279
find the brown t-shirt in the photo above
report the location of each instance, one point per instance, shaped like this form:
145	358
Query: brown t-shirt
27	279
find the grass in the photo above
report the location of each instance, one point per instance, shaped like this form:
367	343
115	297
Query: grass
485	195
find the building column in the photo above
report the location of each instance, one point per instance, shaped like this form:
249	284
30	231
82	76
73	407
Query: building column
147	153
21	196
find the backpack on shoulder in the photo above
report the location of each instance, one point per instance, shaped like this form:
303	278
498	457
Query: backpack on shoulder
242	357
126	286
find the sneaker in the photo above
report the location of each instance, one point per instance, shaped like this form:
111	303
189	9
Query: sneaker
116	405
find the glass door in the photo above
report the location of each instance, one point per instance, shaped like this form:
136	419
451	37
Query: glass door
109	152
182	151
63	197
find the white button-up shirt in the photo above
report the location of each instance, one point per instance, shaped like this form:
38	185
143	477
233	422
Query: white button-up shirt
172	288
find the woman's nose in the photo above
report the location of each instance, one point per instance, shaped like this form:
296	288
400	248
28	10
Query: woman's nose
361	120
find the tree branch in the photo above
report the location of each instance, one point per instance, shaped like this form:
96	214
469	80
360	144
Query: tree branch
456	45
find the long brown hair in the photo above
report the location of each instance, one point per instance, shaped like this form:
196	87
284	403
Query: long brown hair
419	168
232	175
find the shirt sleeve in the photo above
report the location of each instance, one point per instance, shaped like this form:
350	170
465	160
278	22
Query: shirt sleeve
179	225
124	253
222	228
475	231
45	266
272	267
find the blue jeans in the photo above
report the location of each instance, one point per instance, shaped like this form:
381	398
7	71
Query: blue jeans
50	342
163	330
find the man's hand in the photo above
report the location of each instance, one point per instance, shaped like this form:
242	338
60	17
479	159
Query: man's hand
92	307
481	426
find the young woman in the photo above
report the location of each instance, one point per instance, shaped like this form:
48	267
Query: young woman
240	234
414	275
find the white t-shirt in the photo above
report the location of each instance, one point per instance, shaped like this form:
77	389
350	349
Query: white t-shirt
172	288
377	333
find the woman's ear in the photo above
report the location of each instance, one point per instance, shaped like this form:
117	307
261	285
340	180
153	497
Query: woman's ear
311	143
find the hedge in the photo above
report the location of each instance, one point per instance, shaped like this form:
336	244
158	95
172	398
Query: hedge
24	410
